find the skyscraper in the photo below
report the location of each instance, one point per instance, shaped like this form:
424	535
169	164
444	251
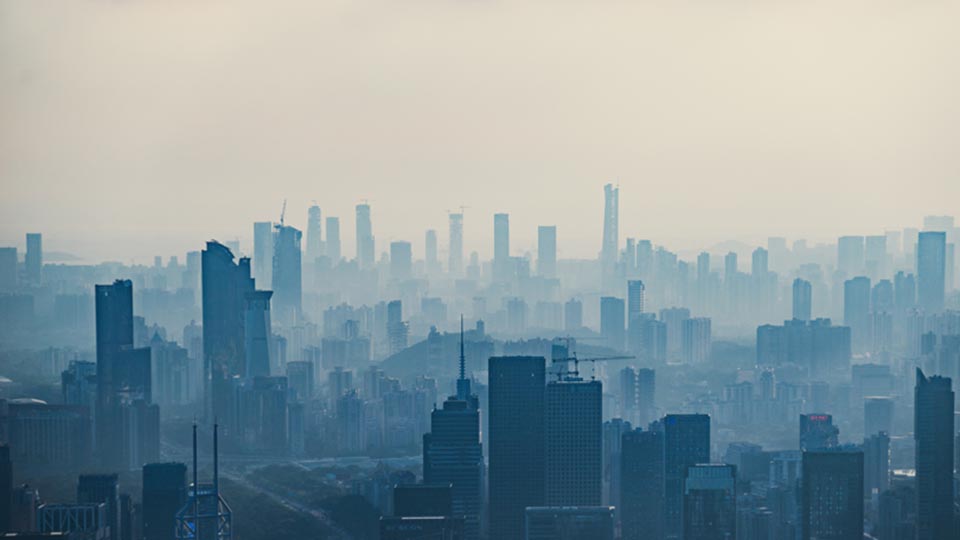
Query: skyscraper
931	264
696	340
710	502
547	251
759	266
332	247
33	260
225	288
401	260
686	443
612	327
287	274
933	431
430	252
314	236
452	453
6	488
856	312
119	366
257	333
516	441
850	256
9	269
366	249
802	299
635	300
501	246
164	493
263	251
455	264
573	443
611	227
641	484
832	495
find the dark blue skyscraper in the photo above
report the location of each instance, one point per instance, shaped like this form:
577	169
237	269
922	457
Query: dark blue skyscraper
164	493
452	453
686	443
516	442
641	484
832	495
225	288
933	431
612	326
573	442
33	260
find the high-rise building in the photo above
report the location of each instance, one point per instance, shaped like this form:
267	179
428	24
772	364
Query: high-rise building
817	432
635	299
452	453
875	256
123	373
696	339
455	263
430	254
931	269
856	312
850	256
673	319
516	441
933	431
877	415
876	464
572	315
611	228
641	484
686	443
612	327
710	502
33	260
501	246
287	274
401	260
366	248
257	333
759	263
225	287
397	330
263	251
164	493
802	299
9	269
547	251
646	395
832	495
314	247
102	488
332	247
573	443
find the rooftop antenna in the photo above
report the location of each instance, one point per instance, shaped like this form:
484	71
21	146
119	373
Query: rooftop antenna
283	212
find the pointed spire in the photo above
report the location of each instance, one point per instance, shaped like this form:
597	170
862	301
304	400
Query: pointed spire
463	383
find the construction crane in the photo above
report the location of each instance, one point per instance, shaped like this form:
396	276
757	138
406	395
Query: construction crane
571	357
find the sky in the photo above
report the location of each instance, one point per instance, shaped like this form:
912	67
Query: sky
133	128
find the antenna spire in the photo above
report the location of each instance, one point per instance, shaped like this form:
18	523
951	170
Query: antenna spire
463	383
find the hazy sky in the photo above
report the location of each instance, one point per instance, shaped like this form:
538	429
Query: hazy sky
129	128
